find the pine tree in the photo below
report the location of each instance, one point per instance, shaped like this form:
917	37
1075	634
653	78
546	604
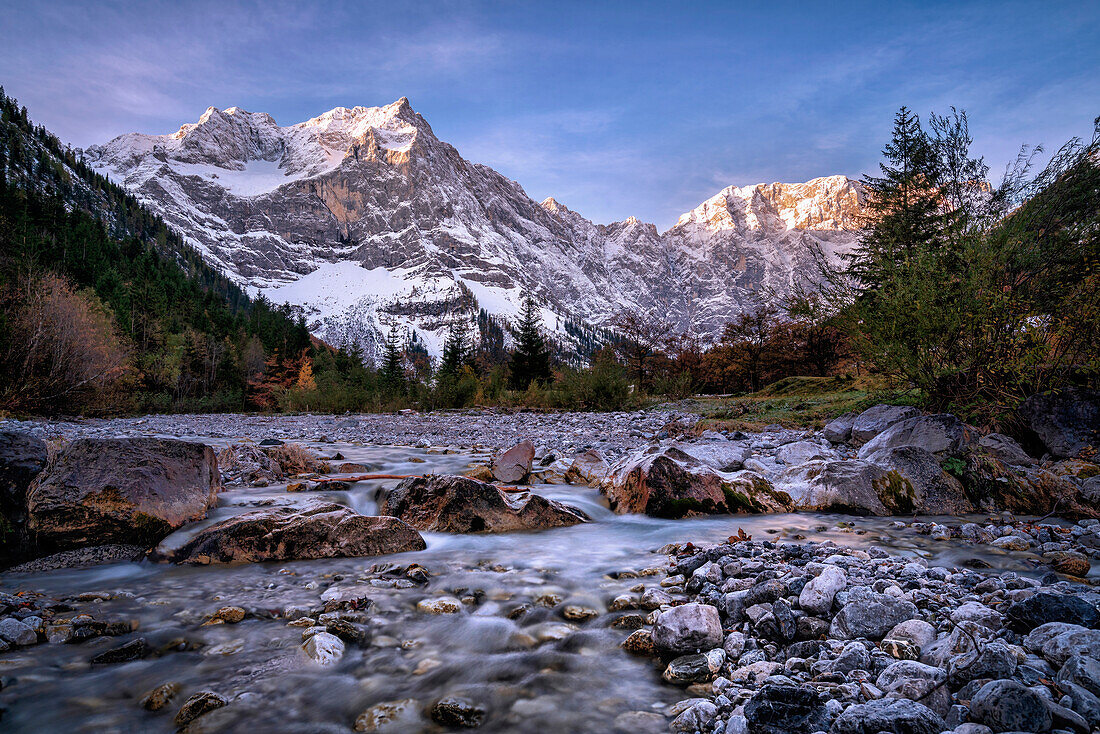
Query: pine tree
393	362
530	360
457	351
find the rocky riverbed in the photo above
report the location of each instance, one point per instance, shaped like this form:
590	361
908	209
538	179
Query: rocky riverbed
574	572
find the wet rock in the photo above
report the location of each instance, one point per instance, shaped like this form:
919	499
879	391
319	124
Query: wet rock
667	482
874	421
855	487
513	465
457	712
319	530
1064	423
132	650
895	715
697	717
588	468
439	605
871	615
391	716
160	696
639	642
17	633
22	457
1011	543
226	615
640	722
698	668
839	429
1005	705
786	709
916	483
688	628
124	490
1070	563
817	595
244	463
324	649
197	705
452	504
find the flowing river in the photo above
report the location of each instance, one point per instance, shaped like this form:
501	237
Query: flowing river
531	673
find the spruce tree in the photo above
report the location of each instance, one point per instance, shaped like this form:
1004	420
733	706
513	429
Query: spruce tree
457	351
392	373
530	360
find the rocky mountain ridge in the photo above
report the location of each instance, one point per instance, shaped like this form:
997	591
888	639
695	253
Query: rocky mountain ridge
365	219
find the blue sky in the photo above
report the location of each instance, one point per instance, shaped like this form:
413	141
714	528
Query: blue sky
615	109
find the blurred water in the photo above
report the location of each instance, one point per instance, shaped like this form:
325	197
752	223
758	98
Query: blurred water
576	684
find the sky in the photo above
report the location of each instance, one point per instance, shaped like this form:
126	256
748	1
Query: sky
613	108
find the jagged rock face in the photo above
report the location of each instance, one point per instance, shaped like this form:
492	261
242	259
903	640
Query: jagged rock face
364	218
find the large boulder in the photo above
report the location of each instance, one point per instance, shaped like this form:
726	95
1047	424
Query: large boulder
1005	448
1064	423
839	429
869	614
723	456
120	490
799	452
895	715
1005	705
916	482
874	421
1038	609
668	482
855	487
688	628
22	457
587	468
452	504
320	530
992	485
942	434
513	465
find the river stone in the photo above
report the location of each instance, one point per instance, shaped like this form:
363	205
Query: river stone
160	696
1066	423
1070	563
992	660
1082	671
588	468
916	682
695	668
722	455
16	632
1060	648
513	465
391	716
324	649
132	650
439	605
1005	705
197	705
639	642
871	615
817	595
1024	616
916	631
688	628
941	434
457	712
839	429
452	504
319	530
854	656
1011	543
978	613
22	457
786	709
668	482
895	715
874	421
696	717
120	490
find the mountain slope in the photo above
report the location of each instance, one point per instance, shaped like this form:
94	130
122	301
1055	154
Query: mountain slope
365	219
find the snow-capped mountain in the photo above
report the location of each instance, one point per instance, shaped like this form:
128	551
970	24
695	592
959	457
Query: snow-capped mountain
365	219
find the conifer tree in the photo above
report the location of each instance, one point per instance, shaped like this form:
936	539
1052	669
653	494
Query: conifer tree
393	362
531	358
457	351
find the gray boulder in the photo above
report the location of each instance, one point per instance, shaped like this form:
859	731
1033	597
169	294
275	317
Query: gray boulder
916	482
120	490
917	682
942	434
874	421
1006	449
22	457
855	487
1005	705
688	628
1065	423
817	595
895	715
839	429
869	614
799	452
